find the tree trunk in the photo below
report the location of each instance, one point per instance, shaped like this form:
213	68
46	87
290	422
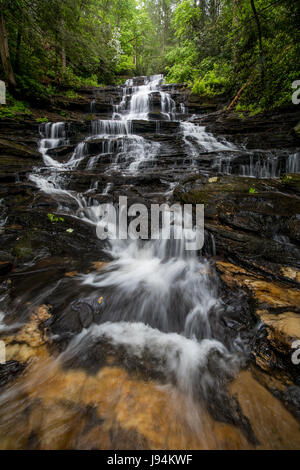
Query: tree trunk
237	97
63	50
261	52
57	50
235	21
213	10
135	54
235	12
5	56
18	50
63	59
202	6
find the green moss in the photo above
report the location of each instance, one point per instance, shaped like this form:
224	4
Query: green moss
89	117
55	219
195	197
71	94
252	191
65	114
292	182
42	119
14	109
286	178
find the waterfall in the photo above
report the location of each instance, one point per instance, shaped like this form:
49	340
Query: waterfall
3	215
137	100
262	168
111	127
259	166
177	357
53	136
93	106
293	163
168	106
160	302
155	311
198	140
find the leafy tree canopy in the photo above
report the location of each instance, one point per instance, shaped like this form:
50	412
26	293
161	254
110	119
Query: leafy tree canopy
216	46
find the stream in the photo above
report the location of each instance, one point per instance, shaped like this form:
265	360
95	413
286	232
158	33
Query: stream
144	346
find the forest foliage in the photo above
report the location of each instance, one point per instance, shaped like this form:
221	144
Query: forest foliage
215	46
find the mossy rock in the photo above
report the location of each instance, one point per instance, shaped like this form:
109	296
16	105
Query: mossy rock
292	181
201	191
10	148
297	129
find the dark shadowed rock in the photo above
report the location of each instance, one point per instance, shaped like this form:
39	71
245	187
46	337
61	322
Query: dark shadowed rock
9	148
252	220
10	371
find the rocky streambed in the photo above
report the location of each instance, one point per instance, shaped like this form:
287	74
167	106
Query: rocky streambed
138	346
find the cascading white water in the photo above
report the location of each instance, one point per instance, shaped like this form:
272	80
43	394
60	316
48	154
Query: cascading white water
111	127
259	167
168	106
136	149
159	271
139	99
107	189
265	165
262	168
293	163
180	359
197	140
153	320
157	296
93	106
53	136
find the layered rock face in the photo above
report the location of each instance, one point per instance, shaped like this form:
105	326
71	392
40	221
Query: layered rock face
138	345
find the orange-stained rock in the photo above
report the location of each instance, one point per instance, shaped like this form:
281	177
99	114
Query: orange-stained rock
282	328
67	409
273	294
71	274
290	273
52	407
273	425
30	341
100	265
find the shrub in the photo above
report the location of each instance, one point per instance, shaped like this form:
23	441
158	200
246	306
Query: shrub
41	120
14	108
213	82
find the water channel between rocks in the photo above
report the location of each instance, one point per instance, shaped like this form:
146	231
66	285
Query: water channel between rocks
149	349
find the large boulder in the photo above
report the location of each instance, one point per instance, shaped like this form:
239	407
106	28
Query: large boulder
253	221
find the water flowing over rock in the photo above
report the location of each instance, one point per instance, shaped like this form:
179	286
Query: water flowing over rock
153	346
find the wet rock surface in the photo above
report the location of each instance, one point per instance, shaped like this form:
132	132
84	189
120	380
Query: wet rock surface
114	395
253	221
276	307
273	129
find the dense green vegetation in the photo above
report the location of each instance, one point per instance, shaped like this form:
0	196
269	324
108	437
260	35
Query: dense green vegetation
223	46
216	46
